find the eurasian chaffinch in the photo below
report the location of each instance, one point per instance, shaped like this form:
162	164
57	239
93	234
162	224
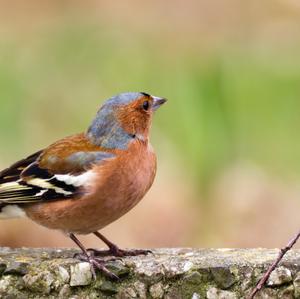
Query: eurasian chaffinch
84	182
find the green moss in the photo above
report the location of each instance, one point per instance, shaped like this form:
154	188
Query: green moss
109	287
223	277
118	268
3	267
16	268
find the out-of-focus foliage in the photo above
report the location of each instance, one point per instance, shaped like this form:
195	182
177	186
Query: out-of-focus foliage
236	102
231	72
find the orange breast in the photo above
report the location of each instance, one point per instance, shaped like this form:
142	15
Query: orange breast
118	186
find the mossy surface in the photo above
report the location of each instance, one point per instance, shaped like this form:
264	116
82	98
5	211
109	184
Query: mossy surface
167	274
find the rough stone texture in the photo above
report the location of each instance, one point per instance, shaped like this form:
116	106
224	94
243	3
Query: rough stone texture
81	275
167	274
280	276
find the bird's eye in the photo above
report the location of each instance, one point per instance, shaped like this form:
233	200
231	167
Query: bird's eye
146	105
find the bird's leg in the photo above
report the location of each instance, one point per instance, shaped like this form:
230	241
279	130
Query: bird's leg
95	262
114	250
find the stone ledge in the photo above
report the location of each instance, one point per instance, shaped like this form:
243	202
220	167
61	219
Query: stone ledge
168	273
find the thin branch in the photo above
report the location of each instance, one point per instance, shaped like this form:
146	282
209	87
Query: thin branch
266	276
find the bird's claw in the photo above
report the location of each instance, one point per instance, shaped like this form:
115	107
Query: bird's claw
96	264
116	252
134	252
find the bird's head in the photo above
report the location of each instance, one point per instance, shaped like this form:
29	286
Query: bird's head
122	118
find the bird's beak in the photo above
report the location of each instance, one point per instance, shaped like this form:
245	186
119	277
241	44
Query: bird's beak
157	102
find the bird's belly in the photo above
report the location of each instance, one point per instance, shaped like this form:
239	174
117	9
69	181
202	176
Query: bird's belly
112	199
84	215
77	216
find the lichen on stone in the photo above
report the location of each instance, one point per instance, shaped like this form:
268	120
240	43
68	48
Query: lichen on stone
280	276
214	293
81	274
168	274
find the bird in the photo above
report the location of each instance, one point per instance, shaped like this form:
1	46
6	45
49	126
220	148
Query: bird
82	183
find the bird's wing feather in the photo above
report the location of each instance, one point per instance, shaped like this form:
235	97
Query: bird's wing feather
28	182
13	172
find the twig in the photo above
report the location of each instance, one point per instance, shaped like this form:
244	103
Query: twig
266	276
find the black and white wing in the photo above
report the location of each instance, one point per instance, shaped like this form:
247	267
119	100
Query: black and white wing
27	182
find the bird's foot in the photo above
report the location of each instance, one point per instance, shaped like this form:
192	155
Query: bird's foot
117	252
96	264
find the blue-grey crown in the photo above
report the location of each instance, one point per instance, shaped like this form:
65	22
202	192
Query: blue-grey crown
105	130
123	99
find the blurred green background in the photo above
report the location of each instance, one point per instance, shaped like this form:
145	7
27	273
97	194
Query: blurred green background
228	139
